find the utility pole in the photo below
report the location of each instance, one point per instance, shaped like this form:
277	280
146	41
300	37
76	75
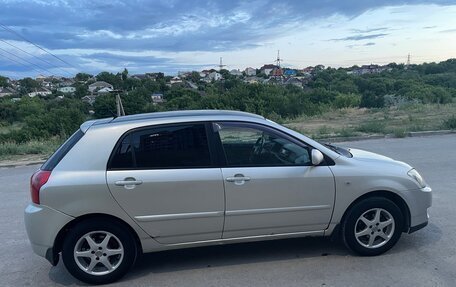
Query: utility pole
278	60
221	64
119	105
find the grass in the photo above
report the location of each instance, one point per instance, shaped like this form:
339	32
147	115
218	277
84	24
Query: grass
11	150
360	122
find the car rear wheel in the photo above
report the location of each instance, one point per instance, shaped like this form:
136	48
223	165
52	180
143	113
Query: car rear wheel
99	252
372	226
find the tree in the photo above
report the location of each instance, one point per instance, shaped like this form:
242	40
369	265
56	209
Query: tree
110	78
124	74
82	77
28	85
3	81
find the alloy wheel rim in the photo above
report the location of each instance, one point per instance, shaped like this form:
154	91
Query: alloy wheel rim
374	228
98	253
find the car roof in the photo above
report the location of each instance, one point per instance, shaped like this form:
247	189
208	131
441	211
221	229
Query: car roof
168	115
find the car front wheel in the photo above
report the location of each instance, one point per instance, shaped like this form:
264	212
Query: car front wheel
98	252
372	226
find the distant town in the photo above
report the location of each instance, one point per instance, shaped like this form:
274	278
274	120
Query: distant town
267	74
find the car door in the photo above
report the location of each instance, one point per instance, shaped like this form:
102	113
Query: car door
165	178
271	186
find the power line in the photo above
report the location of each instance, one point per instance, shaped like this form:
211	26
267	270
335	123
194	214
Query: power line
30	54
36	45
22	59
17	62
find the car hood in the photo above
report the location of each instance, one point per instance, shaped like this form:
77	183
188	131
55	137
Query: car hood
367	156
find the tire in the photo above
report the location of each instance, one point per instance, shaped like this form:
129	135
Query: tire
372	226
99	251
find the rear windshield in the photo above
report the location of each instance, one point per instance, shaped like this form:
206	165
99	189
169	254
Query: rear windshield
62	151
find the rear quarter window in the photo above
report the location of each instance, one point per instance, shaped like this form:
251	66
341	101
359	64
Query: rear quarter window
60	153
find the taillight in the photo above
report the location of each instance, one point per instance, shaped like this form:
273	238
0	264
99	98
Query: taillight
38	179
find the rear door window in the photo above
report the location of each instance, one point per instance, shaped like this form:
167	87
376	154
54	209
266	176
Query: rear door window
170	146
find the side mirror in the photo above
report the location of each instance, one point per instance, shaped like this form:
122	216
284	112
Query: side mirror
317	157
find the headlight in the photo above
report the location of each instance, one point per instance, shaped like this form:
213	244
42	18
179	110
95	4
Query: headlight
417	177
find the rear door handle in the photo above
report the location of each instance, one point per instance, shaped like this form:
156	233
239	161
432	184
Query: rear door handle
238	179
128	183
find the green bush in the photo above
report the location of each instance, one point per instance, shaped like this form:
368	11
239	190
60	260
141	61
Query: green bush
450	123
372	127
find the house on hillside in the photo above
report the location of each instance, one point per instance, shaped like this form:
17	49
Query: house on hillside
307	71
253	80
90	99
105	90
139	76
289	72
157	98
250	71
40	78
67	90
155	76
236	72
6	91
183	74
175	80
191	85
95	87
369	69
204	73
278	72
214	76
268	68
67	82
39	92
293	81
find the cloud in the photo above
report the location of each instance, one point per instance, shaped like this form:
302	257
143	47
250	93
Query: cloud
359	37
174	26
171	25
448	31
361	45
369	30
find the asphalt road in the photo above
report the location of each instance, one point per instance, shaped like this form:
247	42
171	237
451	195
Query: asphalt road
425	258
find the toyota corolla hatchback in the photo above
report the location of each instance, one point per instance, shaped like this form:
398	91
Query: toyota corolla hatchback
123	186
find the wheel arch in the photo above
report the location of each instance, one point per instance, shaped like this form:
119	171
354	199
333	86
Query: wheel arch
58	242
397	199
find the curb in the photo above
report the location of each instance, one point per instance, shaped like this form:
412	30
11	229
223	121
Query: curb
388	136
431	133
21	164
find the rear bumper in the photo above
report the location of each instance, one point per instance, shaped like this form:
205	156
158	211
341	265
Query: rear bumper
43	224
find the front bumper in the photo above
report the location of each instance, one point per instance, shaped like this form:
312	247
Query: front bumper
43	224
419	202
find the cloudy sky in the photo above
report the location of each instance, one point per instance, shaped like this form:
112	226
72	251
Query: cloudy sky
175	35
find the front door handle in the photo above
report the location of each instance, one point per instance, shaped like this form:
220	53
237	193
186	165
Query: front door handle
128	183
238	179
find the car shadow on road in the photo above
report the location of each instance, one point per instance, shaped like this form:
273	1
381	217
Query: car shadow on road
236	254
248	253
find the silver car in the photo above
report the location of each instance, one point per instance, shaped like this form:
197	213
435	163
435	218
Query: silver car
120	187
